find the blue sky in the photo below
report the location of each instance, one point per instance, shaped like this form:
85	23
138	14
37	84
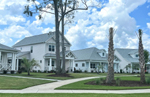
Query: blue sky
90	28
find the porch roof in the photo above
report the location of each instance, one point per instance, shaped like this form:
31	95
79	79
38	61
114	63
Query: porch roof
54	55
7	48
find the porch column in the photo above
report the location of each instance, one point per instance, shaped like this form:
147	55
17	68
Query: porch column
131	68
50	64
0	56
13	63
17	64
89	70
73	64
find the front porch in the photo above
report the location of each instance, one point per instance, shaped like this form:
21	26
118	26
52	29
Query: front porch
50	62
8	60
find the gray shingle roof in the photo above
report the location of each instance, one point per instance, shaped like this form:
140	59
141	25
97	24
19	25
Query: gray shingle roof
34	39
89	54
4	47
125	54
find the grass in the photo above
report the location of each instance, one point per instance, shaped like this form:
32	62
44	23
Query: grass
19	83
75	75
81	86
75	95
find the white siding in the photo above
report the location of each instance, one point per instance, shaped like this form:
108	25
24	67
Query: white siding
80	66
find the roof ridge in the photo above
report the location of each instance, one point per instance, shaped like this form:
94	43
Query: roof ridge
92	52
84	49
38	35
126	48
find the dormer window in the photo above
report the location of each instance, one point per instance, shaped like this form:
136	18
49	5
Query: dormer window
136	55
31	49
103	54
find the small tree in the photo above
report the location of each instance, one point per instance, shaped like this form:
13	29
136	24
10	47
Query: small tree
29	64
101	66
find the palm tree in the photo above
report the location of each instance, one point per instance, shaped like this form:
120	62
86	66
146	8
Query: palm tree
110	74
141	58
29	64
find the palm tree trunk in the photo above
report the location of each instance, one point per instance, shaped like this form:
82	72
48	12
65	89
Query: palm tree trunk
58	70
110	74
141	58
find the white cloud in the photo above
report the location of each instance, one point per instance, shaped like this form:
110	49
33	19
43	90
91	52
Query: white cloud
92	28
149	14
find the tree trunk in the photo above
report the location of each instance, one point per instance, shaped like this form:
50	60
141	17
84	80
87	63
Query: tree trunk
62	35
141	58
110	74
58	70
28	72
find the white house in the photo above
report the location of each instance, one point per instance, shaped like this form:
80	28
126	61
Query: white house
7	58
129	57
89	59
43	49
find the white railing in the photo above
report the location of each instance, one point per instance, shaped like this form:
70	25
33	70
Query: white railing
5	66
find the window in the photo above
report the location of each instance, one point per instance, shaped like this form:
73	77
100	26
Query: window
51	48
92	65
76	65
40	61
83	64
103	54
65	48
31	49
21	48
136	55
52	63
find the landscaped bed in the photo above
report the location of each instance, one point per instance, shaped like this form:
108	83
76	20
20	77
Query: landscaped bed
19	83
93	85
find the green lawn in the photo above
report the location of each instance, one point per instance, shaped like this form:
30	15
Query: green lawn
75	95
19	83
81	86
75	75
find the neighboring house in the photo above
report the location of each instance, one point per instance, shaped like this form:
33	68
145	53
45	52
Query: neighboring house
89	59
43	49
7	58
128	57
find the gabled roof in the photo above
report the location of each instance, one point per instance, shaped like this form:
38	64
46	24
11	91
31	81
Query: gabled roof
4	47
42	38
89	54
125	53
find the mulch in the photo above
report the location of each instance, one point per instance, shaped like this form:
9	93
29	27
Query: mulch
122	83
61	75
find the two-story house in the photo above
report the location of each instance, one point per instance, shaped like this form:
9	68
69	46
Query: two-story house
43	49
90	59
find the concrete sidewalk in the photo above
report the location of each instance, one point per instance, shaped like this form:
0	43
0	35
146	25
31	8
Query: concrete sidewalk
49	88
31	78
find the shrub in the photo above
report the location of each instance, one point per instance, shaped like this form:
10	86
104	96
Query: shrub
67	71
45	71
85	71
98	82
78	71
4	71
12	71
101	81
146	72
39	71
52	71
19	71
148	80
118	81
92	71
120	70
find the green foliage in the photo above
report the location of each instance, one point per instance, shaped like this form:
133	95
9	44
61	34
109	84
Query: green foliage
118	81
148	80
97	81
29	64
146	55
